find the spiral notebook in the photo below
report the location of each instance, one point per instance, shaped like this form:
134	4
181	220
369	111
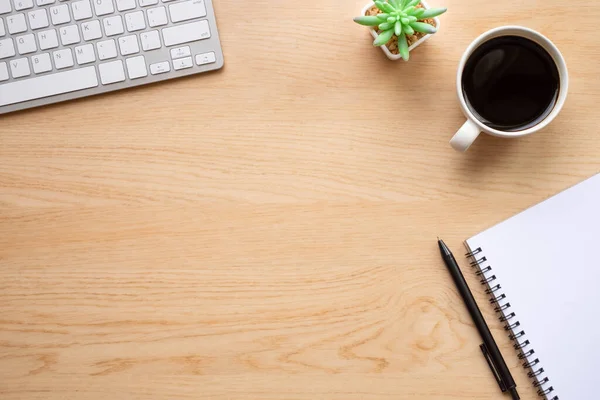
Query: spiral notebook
542	272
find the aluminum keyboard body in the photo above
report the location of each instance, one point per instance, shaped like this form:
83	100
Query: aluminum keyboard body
52	50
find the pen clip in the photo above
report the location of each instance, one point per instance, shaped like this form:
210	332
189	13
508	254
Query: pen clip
487	357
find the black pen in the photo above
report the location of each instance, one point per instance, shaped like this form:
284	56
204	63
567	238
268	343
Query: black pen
490	349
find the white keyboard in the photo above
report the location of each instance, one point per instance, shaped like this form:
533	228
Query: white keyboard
56	50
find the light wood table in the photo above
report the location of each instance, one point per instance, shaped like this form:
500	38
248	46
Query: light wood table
268	231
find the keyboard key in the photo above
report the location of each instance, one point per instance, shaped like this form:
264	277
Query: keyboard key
41	63
3	72
157	16
179	52
16	23
2	30
81	10
103	7
44	2
186	33
85	54
60	14
69	35
124	5
38	19
206	58
167	1
91	30
136	67
150	40
48	39
187	10
135	21
106	49
48	85
5	6
23	4
111	72
7	48
146	3
63	58
128	45
26	44
182	63
113	25
19	68
160	68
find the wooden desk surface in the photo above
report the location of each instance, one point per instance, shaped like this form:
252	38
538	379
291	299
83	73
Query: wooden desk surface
268	231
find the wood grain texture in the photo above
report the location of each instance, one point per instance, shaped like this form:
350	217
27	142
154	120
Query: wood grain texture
268	231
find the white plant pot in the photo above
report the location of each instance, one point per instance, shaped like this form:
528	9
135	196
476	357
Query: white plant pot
384	48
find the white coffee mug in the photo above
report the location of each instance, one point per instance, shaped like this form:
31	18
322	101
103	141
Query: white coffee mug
471	129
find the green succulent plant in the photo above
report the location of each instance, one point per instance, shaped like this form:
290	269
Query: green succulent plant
400	17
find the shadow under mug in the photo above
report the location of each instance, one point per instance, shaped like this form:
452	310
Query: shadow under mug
471	129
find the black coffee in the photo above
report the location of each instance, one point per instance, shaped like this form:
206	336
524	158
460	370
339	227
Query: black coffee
510	83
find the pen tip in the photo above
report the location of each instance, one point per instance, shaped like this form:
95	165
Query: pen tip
443	248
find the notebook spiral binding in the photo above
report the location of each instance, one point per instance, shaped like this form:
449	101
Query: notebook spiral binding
511	324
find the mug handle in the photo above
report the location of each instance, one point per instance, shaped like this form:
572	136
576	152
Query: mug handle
466	135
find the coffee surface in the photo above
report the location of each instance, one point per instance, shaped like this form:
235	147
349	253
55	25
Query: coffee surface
510	83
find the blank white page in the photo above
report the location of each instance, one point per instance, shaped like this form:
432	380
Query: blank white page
547	261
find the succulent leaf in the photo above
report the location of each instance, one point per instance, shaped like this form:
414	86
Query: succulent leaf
403	47
367	20
423	27
408	30
433	12
394	3
405	21
383	17
413	3
383	37
387	7
398	28
391	19
412	18
419	12
386	25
